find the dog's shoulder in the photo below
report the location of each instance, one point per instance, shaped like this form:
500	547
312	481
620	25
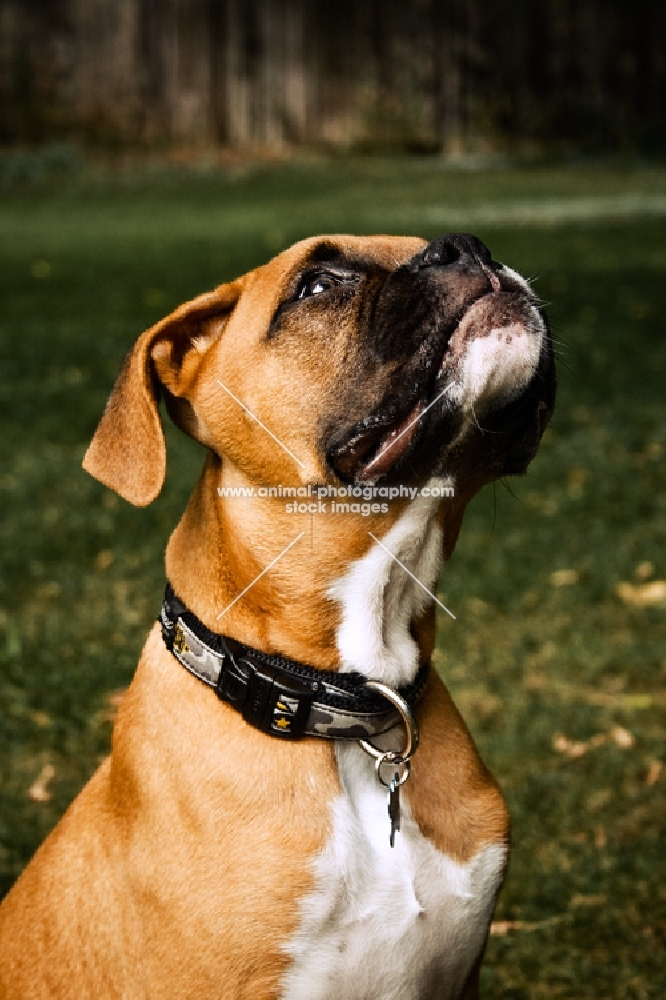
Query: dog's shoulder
454	798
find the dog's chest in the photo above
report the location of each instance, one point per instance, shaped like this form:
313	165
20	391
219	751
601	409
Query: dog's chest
383	923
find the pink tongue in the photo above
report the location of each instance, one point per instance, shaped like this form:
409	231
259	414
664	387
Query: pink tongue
393	445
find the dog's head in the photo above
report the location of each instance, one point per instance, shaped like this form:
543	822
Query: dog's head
353	359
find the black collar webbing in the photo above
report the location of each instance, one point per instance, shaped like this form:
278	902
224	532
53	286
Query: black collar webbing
279	696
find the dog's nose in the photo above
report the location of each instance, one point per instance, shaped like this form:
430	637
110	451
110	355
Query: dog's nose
460	249
451	248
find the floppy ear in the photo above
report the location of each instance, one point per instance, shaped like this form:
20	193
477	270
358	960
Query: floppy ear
128	452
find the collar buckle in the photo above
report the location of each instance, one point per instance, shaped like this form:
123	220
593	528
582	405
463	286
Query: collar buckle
268	699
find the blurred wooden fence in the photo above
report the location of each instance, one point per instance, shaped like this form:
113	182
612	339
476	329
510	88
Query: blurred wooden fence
426	74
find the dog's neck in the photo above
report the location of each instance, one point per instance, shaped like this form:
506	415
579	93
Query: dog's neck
334	597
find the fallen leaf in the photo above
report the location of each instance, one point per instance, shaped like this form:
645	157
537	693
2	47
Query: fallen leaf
39	791
644	570
564	577
578	748
655	768
499	928
642	595
622	737
571	748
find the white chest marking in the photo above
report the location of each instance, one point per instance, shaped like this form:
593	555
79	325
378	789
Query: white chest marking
379	599
405	923
382	923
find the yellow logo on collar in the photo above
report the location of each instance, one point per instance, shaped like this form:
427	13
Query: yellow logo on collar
282	724
179	640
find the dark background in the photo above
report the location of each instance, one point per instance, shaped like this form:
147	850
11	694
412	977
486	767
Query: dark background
421	76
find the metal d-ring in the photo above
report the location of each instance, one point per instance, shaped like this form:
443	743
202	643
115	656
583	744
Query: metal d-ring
412	730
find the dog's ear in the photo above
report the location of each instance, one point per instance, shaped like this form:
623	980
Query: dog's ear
128	451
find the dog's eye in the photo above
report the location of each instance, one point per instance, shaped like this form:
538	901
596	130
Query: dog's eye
317	284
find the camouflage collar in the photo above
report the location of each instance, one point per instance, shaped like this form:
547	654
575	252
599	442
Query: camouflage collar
279	696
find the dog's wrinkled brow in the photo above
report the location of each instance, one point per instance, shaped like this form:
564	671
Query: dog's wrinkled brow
325	256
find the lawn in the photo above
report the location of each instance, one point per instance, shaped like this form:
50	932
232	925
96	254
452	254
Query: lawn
557	657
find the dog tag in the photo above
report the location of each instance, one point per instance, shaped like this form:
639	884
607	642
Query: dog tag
394	807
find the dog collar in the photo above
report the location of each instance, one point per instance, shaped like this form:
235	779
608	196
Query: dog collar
279	696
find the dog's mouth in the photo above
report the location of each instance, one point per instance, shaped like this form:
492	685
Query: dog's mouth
407	435
385	439
376	445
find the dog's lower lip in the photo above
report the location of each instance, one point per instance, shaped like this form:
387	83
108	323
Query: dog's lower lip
373	450
393	445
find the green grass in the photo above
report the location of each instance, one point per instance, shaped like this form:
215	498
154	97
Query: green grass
87	263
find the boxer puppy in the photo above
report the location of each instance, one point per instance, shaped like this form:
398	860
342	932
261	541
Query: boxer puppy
207	858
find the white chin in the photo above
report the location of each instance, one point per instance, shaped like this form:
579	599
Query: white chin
492	362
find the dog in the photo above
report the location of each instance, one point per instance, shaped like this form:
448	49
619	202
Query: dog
293	807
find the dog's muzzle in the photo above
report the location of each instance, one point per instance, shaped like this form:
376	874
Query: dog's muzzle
465	339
